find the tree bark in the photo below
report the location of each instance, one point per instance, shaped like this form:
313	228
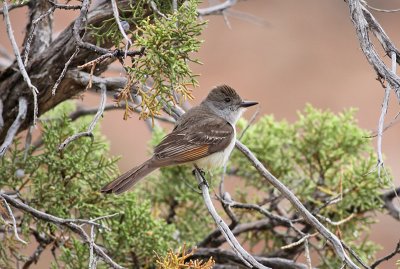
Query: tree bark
44	68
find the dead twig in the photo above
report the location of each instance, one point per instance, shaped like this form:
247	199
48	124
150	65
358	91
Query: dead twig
226	232
20	63
387	257
307	216
64	71
14	223
68	223
216	8
89	131
12	131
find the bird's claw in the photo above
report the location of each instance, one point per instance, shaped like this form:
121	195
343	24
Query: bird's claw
202	174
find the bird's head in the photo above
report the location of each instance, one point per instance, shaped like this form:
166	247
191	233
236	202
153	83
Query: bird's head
226	103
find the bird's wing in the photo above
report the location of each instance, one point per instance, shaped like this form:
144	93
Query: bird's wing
207	135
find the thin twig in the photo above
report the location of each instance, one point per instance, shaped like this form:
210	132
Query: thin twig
380	9
28	141
298	242
307	254
14	223
251	121
89	131
92	257
65	7
224	256
14	6
63	222
364	22
120	27
282	220
337	223
20	63
64	71
226	232
354	254
382	117
216	8
12	131
31	35
96	61
387	257
307	216
386	127
154	7
80	24
1	115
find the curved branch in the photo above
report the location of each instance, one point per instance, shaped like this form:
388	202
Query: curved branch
241	253
68	223
226	256
362	25
307	216
49	65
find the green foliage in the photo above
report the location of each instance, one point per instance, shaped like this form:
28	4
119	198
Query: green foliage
169	41
66	184
320	157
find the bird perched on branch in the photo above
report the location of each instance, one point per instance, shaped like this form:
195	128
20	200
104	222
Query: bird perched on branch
204	136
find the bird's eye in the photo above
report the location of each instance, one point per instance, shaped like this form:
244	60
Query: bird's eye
227	99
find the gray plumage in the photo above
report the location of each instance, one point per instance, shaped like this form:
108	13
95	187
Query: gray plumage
204	135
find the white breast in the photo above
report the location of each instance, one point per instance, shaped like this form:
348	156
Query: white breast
217	159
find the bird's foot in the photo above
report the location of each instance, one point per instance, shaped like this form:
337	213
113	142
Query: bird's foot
202	172
204	182
202	175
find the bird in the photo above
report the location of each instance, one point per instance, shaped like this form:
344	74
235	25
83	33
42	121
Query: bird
204	136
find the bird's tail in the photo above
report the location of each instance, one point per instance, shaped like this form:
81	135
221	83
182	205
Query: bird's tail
130	178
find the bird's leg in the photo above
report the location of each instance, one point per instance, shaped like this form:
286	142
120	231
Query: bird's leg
202	175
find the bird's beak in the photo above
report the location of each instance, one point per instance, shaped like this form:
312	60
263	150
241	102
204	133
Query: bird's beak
248	103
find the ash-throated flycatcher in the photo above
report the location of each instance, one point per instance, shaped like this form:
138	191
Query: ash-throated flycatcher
204	136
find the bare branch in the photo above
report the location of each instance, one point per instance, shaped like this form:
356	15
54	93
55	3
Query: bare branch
120	27
226	256
154	7
43	242
53	60
282	220
96	118
307	216
68	223
1	115
12	131
14	6
216	8
14	223
387	257
41	44
246	258
28	141
382	116
379	9
299	242
80	24
337	223
361	18
20	63
92	258
65	7
64	71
